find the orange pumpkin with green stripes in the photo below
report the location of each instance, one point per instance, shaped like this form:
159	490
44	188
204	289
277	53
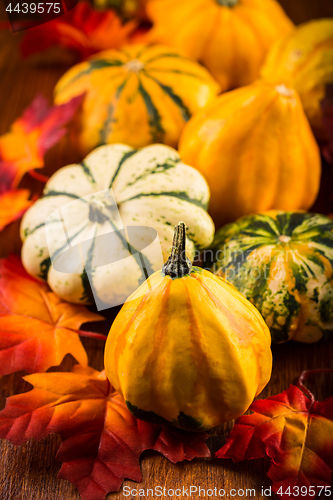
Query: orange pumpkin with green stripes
137	96
283	263
187	347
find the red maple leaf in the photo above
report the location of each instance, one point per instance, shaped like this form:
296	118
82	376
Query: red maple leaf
101	440
296	432
82	30
37	328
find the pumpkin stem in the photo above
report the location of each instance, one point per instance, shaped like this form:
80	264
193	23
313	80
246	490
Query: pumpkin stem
227	3
178	264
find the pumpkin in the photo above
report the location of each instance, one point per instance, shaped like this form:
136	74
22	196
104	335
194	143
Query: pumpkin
152	188
126	8
187	347
138	95
255	147
303	60
282	262
229	37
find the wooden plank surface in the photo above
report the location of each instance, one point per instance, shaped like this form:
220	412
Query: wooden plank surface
30	471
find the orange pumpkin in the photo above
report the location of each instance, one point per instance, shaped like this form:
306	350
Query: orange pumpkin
138	95
187	347
255	148
127	8
230	37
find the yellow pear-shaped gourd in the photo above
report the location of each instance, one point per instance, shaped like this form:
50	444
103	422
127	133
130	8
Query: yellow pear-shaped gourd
303	60
187	347
255	148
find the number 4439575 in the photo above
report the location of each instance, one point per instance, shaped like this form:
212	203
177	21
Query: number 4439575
302	491
32	8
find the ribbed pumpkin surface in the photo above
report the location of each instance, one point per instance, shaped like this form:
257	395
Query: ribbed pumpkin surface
138	95
303	60
255	148
230	37
282	262
189	350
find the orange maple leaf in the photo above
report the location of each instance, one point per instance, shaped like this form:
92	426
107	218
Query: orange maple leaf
31	135
22	149
13	204
37	328
82	30
102	440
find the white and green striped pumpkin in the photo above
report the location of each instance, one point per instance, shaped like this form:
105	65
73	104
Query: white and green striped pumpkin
152	188
282	262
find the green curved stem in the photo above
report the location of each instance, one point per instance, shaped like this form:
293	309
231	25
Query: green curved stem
178	264
227	3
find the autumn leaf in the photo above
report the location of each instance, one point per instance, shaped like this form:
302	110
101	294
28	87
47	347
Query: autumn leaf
35	132
101	440
82	30
296	432
23	148
37	328
5	25
13	204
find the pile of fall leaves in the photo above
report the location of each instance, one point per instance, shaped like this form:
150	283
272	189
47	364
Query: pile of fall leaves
101	441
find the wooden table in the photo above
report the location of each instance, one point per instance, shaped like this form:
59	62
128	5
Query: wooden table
30	472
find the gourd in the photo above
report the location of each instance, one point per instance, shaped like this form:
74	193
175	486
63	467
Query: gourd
255	148
229	37
282	262
152	189
138	95
187	347
303	60
126	8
